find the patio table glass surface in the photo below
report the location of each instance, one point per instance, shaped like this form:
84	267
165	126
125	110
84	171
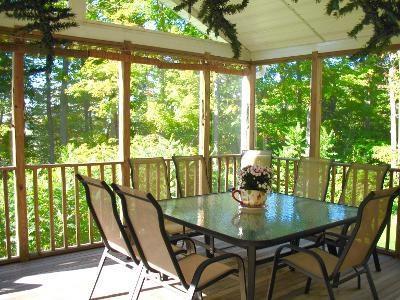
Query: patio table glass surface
283	216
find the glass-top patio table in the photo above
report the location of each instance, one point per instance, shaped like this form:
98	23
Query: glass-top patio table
284	219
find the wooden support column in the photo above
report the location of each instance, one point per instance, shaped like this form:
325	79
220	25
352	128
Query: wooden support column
78	7
315	108
124	117
204	120
18	138
248	120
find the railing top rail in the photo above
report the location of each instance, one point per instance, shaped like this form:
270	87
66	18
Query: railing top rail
39	166
7	168
224	155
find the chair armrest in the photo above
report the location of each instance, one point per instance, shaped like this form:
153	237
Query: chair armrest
305	251
337	235
205	264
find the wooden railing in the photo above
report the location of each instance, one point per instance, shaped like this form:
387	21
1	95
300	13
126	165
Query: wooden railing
59	220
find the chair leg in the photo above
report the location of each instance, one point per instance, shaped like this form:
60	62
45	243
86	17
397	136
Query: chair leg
371	283
136	292
99	269
330	290
308	285
242	280
376	260
272	280
139	271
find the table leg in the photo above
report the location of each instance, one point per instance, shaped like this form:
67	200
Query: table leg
209	241
251	272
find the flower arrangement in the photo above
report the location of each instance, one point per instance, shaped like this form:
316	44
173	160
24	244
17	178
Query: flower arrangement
256	178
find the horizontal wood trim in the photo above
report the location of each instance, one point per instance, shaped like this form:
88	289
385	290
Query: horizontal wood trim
338	53
117	45
103	54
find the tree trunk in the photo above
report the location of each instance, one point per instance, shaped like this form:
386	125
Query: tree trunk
64	104
87	114
393	110
50	123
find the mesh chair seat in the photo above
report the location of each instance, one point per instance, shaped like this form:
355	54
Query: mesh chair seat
312	178
150	175
190	264
309	264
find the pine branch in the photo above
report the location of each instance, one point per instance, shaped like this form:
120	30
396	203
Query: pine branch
212	14
46	16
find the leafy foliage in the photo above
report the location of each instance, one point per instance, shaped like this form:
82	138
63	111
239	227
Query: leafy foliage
46	16
383	15
212	13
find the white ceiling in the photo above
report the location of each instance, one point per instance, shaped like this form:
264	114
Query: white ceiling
277	28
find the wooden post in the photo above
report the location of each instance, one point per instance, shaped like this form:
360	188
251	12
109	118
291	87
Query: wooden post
124	118
315	108
204	121
78	7
18	138
248	119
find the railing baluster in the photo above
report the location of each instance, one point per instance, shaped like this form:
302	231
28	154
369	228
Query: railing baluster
287	177
219	175
51	207
64	207
101	172
226	173
333	184
186	179
196	177
397	247
147	168
278	175
36	210
113	173
7	213
77	209
90	218
158	181
234	172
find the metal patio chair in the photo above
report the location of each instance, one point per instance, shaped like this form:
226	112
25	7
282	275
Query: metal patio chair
193	272
312	178
261	158
372	217
103	207
191	175
359	180
150	175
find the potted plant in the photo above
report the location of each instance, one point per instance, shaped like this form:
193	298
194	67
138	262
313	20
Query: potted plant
254	182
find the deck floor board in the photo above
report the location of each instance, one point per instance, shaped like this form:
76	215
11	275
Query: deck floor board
70	276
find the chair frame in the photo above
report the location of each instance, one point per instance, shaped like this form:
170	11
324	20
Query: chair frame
108	250
280	262
340	239
192	289
146	161
178	179
327	180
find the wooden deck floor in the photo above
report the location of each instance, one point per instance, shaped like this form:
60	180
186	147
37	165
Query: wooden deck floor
70	276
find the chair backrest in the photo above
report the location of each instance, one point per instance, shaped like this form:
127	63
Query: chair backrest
150	175
372	218
360	180
312	178
261	158
103	207
191	175
145	220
